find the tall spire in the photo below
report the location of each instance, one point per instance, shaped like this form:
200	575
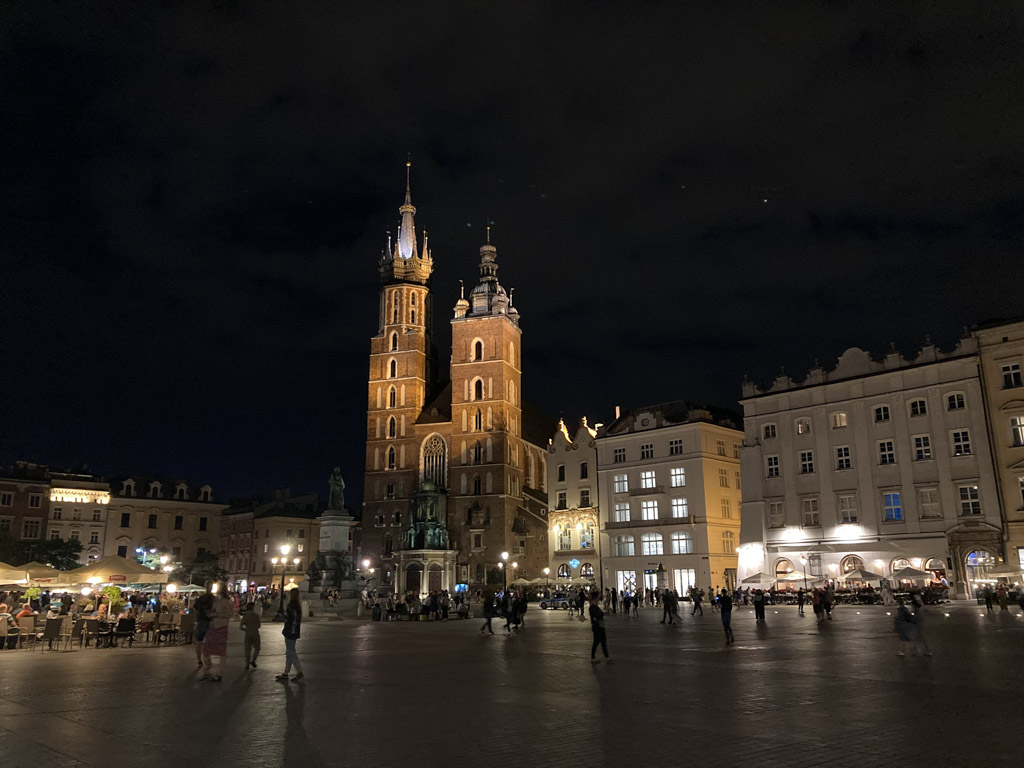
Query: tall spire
407	229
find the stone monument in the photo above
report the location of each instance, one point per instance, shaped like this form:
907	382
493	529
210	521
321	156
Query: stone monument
426	561
335	551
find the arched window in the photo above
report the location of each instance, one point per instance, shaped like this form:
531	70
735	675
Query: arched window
918	407
850	563
392	427
478	351
392	397
394	342
435	461
412	317
478	389
651	544
391	457
803	426
476	485
624	546
586	571
728	542
478	454
839	420
782	569
899	563
393	369
682	543
937	566
478	420
387	544
564	571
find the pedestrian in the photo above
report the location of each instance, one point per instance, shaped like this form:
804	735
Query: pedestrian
816	605
522	608
250	625
827	598
759	600
696	595
291	631
800	601
666	608
987	594
581	599
615	601
216	643
1001	594
203	609
597	627
488	614
634	602
725	608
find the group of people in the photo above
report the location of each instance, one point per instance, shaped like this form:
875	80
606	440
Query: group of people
510	605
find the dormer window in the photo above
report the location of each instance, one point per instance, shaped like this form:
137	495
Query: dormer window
206	493
154	490
128	488
181	492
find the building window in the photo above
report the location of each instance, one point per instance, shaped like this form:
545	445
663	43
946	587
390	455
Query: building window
803	426
393	369
647	451
1017	430
587	571
75	535
619	456
435	463
928	503
478	389
728	542
391	457
847	508
584	497
478	541
58	513
1011	376
812	517
621	484
126	519
621	511
34	501
97	516
122	550
202	524
955	402
94	537
682	543
738	486
392	427
839	420
772	466
561	502
726	508
776	515
961	439
806	462
624	546
843	457
478	489
6	499
478	351
30	529
922	447
886	452
677	477
768	431
54	535
684	579
675	447
1020	482
561	473
584	470
892	506
649	510
392	397
881	413
680	508
565	538
651	544
564	571
720	447
918	408
152	522
723	478
970	502
586	537
478	455
647	479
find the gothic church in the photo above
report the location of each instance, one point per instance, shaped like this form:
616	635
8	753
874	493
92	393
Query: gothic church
462	446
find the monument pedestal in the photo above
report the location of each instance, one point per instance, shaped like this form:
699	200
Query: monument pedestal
336	553
421	571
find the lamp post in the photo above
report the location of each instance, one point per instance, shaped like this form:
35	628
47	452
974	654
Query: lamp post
547	585
803	565
284	549
504	572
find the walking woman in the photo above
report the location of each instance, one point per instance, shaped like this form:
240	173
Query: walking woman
725	606
597	627
216	642
292	625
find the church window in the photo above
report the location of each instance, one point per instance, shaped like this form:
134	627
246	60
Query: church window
394	314
392	395
394	342
435	461
476	485
478	351
391	457
392	369
392	427
396	518
412	317
387	544
478	453
478	389
478	420
412	299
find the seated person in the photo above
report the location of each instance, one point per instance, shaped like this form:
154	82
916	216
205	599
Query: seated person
5	613
53	612
26	611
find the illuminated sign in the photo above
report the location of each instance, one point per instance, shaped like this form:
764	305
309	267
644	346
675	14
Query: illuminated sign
574	563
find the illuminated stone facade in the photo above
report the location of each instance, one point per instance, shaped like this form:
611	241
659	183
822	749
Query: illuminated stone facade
573	515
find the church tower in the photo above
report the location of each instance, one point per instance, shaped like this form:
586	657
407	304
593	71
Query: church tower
401	379
487	450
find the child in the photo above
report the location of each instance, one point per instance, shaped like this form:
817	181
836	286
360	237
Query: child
250	624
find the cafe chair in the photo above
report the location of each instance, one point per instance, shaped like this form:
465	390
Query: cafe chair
125	630
50	633
73	632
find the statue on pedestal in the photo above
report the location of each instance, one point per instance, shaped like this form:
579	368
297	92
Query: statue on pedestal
336	497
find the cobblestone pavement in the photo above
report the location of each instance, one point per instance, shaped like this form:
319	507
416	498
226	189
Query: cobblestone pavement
790	693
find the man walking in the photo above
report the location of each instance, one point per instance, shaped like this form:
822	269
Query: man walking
250	624
597	627
615	601
800	601
291	632
203	609
725	608
696	595
488	614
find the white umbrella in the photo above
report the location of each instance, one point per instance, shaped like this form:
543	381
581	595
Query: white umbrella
758	578
911	574
113	570
11	575
861	574
798	576
190	589
520	582
1005	570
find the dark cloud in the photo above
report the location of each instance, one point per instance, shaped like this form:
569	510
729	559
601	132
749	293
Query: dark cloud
195	198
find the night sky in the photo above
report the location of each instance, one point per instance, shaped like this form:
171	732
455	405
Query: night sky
194	200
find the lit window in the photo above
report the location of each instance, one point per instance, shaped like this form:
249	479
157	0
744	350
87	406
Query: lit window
624	546
649	509
776	515
680	508
621	484
677	477
922	447
843	457
955	402
806	462
928	502
838	420
728	542
918	408
812	518
1017	430
886	452
647	479
848	508
647	451
961	442
970	502
622	512
1011	376
769	431
565	539
771	466
564	572
881	413
893	506
651	544
682	543
803	426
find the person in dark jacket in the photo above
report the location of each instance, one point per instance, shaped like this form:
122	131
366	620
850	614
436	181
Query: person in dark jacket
488	614
291	631
725	606
597	627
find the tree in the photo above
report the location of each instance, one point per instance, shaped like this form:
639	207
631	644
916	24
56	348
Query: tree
204	568
60	553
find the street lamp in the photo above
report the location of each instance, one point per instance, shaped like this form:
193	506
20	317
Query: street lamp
504	573
284	549
803	564
547	585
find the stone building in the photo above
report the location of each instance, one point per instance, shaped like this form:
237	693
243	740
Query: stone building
162	513
574	517
465	429
24	501
669	489
79	503
875	464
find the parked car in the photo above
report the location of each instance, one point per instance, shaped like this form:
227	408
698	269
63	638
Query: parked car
555	601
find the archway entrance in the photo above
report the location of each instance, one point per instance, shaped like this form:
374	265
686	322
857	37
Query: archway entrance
977	563
434	578
412	579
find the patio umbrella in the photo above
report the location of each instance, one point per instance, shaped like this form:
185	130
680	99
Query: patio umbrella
798	576
114	570
11	575
911	574
1005	570
861	574
521	582
190	589
40	574
759	578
